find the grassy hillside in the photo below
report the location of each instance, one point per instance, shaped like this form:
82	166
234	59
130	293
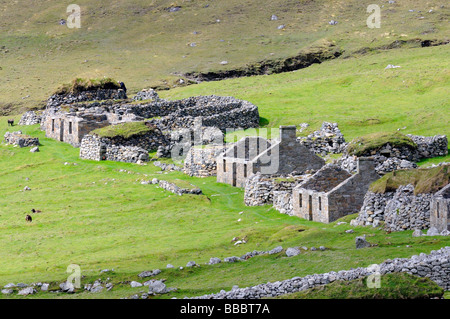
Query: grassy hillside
143	44
98	217
358	93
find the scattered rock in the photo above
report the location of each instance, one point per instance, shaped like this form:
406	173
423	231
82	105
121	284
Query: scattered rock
361	242
157	287
7	291
34	149
135	284
27	291
191	264
292	251
433	232
417	233
276	250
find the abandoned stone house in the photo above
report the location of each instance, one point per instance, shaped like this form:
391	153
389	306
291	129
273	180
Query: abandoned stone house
255	154
71	127
440	210
169	116
333	192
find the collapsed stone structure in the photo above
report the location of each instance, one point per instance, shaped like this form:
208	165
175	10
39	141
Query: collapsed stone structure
21	140
30	118
389	158
103	149
328	139
255	154
402	209
262	189
332	192
201	161
70	118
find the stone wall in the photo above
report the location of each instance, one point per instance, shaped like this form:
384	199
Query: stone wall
400	210
407	211
282	201
328	139
101	149
171	187
21	140
201	161
97	95
372	210
435	266
430	146
259	189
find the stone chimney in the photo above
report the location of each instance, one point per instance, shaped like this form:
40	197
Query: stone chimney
288	133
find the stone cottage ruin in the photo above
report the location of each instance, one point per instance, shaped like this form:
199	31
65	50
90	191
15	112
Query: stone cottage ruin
253	155
333	192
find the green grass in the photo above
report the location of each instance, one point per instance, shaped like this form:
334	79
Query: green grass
425	181
373	142
79	85
143	45
97	217
125	130
357	93
392	286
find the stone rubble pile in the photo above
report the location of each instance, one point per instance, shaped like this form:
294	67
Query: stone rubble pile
21	140
328	139
30	118
146	94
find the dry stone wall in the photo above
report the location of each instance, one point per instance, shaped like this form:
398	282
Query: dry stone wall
400	210
21	140
201	161
435	266
260	189
101	149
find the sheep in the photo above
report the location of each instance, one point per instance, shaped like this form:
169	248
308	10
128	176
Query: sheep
28	218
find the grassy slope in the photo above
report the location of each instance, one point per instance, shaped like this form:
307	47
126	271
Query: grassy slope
358	94
133	227
130	227
139	42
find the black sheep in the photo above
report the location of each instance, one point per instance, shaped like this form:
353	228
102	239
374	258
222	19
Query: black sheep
28	218
11	122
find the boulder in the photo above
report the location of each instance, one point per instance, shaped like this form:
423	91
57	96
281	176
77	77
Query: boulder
292	251
433	232
27	291
135	284
361	242
157	287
